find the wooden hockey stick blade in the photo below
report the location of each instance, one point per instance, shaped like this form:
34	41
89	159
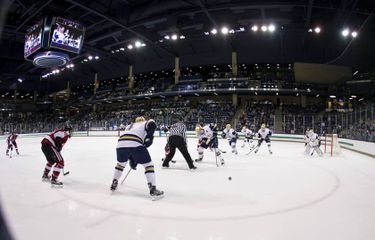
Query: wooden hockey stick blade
66	173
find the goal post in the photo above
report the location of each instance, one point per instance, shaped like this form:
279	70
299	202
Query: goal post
331	145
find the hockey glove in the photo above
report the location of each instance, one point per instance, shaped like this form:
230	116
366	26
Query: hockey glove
148	141
223	135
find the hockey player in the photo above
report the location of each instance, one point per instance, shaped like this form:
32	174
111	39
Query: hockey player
314	143
248	134
232	136
208	139
52	145
133	144
306	140
11	142
264	134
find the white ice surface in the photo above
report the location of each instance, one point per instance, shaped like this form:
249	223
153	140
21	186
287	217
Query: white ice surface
281	196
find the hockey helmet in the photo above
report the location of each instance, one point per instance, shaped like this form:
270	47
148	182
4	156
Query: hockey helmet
68	126
263	126
228	126
140	119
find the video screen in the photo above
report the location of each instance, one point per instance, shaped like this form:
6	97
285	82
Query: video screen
67	35
33	39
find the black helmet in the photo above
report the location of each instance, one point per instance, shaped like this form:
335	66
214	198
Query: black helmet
68	126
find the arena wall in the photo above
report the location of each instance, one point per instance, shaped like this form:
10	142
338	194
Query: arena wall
366	148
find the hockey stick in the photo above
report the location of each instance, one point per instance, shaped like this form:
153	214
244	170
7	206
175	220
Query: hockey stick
126	176
222	151
217	164
65	173
251	150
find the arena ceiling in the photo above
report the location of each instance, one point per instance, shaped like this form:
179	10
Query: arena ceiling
114	24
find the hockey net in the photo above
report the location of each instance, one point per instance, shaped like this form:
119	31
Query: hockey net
331	145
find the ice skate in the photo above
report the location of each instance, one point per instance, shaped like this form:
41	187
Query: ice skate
114	185
155	193
56	184
46	178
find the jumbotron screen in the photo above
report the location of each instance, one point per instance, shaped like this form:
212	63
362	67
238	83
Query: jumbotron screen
67	35
33	39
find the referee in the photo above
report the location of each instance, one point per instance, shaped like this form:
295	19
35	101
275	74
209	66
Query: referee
177	139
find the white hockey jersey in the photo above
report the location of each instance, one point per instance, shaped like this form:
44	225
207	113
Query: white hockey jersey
133	135
247	132
230	133
264	133
207	132
314	139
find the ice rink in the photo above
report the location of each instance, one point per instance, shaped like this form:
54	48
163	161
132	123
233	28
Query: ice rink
281	196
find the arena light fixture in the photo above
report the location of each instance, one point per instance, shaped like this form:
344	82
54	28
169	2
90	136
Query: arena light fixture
174	37
345	32
310	30
354	34
242	29
332	96
254	28
20	80
317	30
122	49
271	28
224	30
206	33
85	60
361	99
138	44
264	28
182	37
96	57
89	58
130	46
167	37
214	31
353	96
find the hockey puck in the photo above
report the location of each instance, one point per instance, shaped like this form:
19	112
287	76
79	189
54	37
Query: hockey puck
229	178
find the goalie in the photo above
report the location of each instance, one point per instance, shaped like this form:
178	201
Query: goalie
313	144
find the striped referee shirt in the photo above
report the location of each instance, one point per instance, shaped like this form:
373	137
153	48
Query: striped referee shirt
178	129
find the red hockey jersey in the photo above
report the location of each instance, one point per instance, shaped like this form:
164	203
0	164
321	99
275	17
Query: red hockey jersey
57	138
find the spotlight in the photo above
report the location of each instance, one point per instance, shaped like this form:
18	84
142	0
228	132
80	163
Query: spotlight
122	49
354	34
96	57
138	44
143	45
224	30
332	96
310	30
174	37
72	65
254	28
90	58
231	31
182	37
85	60
317	30
130	47
242	29
167	37
20	80
271	28
206	33
264	28
214	31
345	32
